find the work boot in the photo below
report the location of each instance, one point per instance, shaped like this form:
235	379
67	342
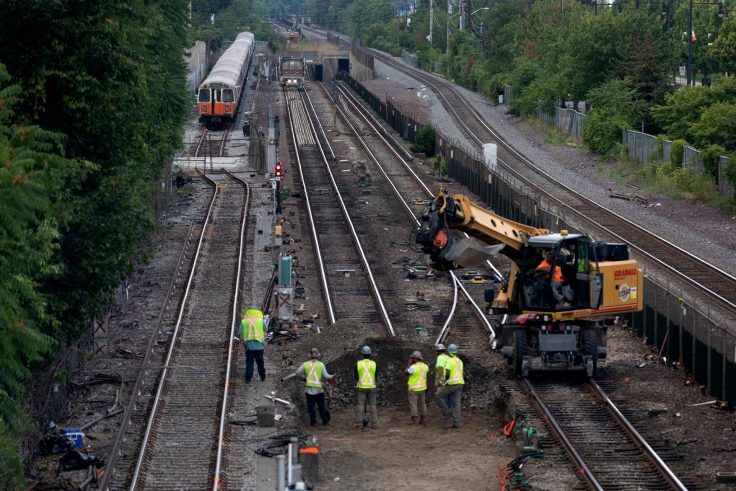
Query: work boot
421	420
365	422
456	425
413	420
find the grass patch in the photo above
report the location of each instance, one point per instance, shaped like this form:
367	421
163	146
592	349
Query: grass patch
683	183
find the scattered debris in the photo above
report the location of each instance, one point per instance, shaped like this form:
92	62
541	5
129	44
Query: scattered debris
708	403
282	401
629	197
128	354
74	460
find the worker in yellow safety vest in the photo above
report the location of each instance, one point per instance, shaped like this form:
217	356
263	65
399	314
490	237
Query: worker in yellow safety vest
365	376
313	372
417	385
439	369
251	333
452	385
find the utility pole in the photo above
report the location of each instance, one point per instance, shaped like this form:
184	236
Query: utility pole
449	13
431	20
462	15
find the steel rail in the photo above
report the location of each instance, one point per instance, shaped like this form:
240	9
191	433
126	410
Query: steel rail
672	479
446	326
233	327
356	239
569	447
313	225
433	83
225	136
385	136
321	129
199	144
476	309
172	346
111	459
172	343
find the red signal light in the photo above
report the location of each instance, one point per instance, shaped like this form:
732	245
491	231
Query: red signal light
277	170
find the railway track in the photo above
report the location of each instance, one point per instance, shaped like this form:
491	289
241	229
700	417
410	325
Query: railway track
183	444
605	448
712	282
642	472
344	270
410	185
211	143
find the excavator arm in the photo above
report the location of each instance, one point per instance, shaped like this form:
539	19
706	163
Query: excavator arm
457	212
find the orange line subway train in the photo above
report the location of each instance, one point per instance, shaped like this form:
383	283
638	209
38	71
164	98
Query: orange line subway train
219	94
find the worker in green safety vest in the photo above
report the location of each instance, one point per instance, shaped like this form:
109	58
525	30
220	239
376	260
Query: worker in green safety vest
452	385
252	335
417	385
365	376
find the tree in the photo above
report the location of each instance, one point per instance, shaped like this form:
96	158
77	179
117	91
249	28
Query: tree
97	107
717	125
684	107
27	240
614	108
723	50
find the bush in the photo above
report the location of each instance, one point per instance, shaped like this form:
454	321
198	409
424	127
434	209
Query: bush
676	154
613	109
710	158
658	149
521	79
426	139
730	170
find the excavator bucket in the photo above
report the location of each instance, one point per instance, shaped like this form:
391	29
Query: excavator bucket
468	252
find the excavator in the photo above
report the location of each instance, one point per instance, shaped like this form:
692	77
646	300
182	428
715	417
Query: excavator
561	294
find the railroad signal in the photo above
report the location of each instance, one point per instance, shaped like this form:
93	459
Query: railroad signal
277	170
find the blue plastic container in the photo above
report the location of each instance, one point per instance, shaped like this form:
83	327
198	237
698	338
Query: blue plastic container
74	435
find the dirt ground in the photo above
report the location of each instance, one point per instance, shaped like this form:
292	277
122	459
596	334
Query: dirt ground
399	455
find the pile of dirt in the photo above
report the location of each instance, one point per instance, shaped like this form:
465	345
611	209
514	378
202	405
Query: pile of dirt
391	355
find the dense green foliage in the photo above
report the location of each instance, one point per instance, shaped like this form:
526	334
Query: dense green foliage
220	21
91	106
426	140
614	108
550	51
702	115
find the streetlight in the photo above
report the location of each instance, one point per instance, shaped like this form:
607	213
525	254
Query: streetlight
721	13
475	12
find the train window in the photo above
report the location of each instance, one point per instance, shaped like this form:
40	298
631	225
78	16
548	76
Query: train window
204	95
227	95
218	95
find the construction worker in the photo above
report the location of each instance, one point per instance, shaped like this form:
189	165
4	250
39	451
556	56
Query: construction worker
439	369
452	385
417	384
561	291
251	333
313	372
365	376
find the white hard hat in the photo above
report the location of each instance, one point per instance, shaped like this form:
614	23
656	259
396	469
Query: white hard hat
366	350
417	355
439	347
